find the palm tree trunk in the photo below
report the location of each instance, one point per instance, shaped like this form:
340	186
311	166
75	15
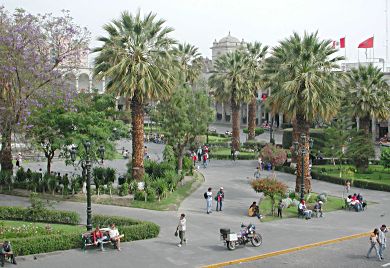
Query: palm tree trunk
252	119
235	125
137	115
301	126
365	124
6	151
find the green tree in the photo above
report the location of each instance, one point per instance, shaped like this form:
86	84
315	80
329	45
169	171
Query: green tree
256	53
304	87
183	117
367	95
360	149
229	83
270	187
385	157
189	62
136	56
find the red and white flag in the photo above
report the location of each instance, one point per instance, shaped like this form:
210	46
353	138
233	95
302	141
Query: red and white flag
368	43
339	44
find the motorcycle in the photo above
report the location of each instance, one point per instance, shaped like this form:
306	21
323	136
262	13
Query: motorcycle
246	234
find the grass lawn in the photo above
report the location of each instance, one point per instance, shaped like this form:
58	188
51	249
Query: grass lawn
172	202
17	229
227	151
333	203
375	173
213	139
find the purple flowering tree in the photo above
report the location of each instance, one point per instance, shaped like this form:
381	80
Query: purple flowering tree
35	53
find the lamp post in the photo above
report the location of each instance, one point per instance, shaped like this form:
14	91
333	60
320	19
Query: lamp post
271	131
300	148
87	164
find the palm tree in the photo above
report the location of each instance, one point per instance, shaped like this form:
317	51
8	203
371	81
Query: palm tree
304	87
229	82
256	53
135	56
367	95
189	61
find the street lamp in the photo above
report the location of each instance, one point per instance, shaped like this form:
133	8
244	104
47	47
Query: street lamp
86	163
302	145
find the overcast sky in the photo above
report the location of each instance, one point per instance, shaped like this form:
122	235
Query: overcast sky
199	22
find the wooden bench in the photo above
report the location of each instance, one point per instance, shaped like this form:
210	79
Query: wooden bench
87	238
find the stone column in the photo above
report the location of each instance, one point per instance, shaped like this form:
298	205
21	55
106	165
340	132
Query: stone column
104	84
77	83
373	128
357	123
90	85
280	120
223	112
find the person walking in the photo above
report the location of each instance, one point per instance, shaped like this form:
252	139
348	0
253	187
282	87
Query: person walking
181	227
374	243
280	208
194	158
209	200
347	186
219	198
199	152
382	239
205	158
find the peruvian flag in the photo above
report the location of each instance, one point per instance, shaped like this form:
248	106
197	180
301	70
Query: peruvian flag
369	43
337	44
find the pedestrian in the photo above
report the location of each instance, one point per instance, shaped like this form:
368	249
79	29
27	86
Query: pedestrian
181	227
318	208
19	160
347	186
219	198
382	239
232	153
199	152
209	200
260	163
280	208
194	158
205	158
374	243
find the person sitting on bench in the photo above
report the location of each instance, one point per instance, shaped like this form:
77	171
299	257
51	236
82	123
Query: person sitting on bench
98	237
302	210
318	208
114	236
6	252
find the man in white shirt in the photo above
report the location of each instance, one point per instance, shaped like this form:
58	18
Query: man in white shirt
181	227
114	236
209	200
382	240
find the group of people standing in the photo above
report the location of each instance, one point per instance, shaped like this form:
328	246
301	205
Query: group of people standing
201	155
218	198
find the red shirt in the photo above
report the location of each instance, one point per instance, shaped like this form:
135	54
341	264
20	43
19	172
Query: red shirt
96	235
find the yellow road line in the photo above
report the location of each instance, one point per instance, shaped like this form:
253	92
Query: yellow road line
285	251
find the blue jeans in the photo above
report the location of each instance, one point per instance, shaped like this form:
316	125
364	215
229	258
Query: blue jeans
220	205
373	246
381	249
209	204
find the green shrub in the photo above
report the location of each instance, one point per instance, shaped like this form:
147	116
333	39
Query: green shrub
45	215
139	195
254	145
20	175
104	221
318	136
187	164
169	154
258	131
385	157
124	189
109	175
151	194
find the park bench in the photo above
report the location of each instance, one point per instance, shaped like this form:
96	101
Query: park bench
87	239
8	256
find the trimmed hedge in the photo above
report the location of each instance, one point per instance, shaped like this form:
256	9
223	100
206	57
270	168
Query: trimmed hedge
131	228
317	135
228	157
258	131
332	179
49	216
254	145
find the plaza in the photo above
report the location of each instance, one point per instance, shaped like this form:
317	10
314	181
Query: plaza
125	127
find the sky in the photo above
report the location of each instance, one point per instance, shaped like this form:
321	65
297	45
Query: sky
200	22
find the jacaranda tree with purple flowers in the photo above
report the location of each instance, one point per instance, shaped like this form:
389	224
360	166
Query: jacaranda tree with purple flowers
35	52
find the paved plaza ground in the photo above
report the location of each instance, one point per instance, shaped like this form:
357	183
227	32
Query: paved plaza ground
204	246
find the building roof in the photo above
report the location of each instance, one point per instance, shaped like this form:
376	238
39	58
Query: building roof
229	39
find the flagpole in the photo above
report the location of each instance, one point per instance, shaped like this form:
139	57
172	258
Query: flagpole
345	49
373	56
387	32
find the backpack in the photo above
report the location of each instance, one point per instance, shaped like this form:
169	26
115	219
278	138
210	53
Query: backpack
205	195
